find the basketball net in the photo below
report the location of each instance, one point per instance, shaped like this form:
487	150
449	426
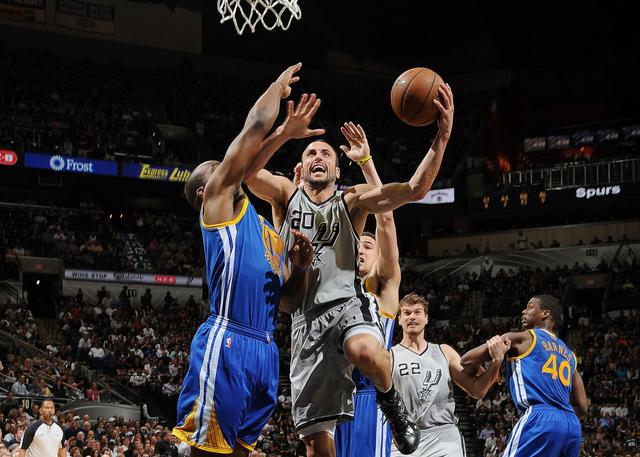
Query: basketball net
250	13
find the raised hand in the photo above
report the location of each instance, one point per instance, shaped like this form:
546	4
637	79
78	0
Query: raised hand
296	124
444	103
358	145
287	78
301	252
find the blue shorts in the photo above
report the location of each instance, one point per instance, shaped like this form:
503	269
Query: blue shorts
367	435
230	390
545	431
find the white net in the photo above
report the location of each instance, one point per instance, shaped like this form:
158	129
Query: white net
250	13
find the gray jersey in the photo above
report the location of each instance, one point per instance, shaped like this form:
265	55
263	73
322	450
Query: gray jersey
334	275
424	384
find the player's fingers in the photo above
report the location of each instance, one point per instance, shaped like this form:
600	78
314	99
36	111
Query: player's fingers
294	68
307	106
441	108
446	90
361	130
314	109
347	135
442	95
301	102
347	127
294	80
290	108
354	130
450	93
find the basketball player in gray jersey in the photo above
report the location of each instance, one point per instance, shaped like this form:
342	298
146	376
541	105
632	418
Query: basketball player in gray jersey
423	373
336	327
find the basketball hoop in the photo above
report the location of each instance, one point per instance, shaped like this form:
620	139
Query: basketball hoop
250	13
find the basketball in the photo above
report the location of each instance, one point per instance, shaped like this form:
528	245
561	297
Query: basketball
412	96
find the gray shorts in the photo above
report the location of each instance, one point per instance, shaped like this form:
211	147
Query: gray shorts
321	384
438	441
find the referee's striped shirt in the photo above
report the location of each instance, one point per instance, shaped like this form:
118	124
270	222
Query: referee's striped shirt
42	440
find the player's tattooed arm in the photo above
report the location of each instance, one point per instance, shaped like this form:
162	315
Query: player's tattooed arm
391	196
299	256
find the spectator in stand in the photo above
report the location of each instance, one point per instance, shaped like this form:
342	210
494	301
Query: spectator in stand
171	388
19	387
93	393
8	404
166	446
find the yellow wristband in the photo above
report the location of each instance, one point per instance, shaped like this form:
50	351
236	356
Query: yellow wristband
364	159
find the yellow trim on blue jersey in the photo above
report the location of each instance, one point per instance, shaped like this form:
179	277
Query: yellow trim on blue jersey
182	437
528	351
555	337
244	444
214	440
366	287
234	221
387	315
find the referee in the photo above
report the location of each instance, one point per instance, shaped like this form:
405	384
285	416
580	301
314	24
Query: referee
43	437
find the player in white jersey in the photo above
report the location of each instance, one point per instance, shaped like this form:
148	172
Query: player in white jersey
368	435
423	373
336	326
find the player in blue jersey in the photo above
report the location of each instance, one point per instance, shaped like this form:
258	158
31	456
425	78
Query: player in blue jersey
368	434
230	389
545	384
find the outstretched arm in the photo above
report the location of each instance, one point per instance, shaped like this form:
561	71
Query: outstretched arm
519	343
228	176
387	267
477	386
391	196
265	185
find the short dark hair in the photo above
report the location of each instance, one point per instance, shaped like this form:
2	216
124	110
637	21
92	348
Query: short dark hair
551	304
369	234
197	179
413	298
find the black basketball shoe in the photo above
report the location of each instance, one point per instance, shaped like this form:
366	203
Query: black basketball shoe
406	434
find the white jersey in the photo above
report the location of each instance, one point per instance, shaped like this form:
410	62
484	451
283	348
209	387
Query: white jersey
333	278
424	383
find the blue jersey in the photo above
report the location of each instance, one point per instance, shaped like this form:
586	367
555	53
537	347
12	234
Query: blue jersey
244	260
543	374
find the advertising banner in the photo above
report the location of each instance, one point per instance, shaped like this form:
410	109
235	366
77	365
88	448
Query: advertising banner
439	196
24	10
86	16
532	198
8	157
155	172
70	164
133	278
